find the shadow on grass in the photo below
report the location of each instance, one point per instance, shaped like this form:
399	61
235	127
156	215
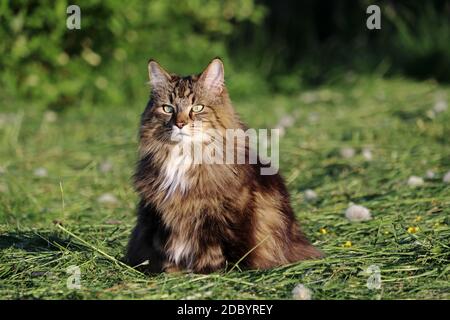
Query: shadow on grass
33	241
371	196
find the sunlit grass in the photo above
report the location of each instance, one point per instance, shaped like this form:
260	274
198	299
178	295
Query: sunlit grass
50	222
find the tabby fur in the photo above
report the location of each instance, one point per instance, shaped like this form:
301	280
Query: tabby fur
204	217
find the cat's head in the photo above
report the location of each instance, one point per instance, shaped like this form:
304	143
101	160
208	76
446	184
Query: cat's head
180	107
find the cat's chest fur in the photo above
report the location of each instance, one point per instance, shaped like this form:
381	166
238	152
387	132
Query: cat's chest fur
179	206
175	173
193	198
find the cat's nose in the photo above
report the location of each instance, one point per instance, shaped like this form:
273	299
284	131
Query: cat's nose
180	124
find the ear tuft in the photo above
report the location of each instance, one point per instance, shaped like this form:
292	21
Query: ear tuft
213	76
157	75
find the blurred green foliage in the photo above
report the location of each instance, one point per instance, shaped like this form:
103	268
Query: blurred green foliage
267	45
321	41
106	59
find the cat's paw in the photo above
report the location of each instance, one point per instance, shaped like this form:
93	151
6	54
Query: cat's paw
172	268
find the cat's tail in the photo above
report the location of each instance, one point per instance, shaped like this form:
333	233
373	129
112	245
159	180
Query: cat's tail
306	251
301	248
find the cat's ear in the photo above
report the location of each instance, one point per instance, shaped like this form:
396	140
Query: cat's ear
157	75
212	78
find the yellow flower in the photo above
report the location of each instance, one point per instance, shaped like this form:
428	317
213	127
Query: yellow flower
348	244
413	229
323	231
418	218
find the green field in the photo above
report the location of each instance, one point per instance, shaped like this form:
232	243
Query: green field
54	170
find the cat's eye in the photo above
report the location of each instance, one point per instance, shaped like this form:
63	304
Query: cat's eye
168	108
198	108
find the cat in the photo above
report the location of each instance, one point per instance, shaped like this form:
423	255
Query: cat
204	218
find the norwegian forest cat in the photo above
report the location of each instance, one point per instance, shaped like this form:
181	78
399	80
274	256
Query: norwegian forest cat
203	217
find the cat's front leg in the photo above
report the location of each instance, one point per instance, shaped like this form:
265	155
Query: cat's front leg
211	259
145	247
170	267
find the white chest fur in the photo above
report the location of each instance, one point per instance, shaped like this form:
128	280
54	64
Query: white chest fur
176	168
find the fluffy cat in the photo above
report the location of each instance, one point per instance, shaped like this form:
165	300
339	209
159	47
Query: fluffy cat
203	217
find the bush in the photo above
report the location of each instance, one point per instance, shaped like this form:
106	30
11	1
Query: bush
106	60
267	45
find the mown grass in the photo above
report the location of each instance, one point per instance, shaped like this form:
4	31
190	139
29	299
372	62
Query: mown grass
391	117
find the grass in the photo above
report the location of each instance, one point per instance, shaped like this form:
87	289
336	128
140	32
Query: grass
389	116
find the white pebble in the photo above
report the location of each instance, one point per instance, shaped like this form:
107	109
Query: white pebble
430	174
286	121
347	152
105	166
310	195
40	172
357	213
50	116
440	106
415	181
446	178
367	154
300	292
107	198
